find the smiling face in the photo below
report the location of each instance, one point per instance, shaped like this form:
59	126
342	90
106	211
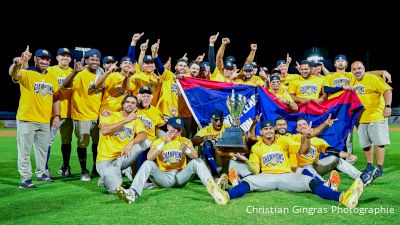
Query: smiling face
42	63
301	126
93	63
268	133
129	105
63	59
281	126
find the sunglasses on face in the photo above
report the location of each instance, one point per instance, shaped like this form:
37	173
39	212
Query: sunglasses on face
218	119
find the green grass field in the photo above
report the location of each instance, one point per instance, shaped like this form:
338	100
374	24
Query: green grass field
70	201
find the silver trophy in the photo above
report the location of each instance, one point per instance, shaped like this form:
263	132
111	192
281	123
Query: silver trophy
232	137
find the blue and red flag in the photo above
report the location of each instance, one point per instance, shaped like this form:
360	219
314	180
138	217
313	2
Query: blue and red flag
204	96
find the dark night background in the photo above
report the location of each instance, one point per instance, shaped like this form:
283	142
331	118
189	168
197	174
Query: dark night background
376	49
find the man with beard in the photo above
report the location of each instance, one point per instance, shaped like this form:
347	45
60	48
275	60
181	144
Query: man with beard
171	169
280	93
373	131
269	164
38	92
208	136
337	82
122	140
307	87
85	106
249	78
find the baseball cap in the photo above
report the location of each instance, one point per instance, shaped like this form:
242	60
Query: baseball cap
108	59
93	53
144	90
254	64
176	122
316	63
229	65
230	59
247	67
342	57
203	65
275	70
217	114
264	68
267	123
42	53
274	77
280	62
126	58
148	58
61	51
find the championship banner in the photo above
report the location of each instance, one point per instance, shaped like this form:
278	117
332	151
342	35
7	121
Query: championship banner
203	97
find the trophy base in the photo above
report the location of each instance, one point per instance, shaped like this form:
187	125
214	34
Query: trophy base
231	140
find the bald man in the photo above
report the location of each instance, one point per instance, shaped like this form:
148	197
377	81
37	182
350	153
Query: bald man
376	96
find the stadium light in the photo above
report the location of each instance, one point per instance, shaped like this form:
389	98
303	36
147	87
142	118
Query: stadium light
315	58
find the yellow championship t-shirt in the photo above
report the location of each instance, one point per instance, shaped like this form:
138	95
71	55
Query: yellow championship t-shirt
253	80
285	81
113	92
317	145
65	93
274	158
218	76
282	93
111	146
171	157
151	118
169	94
338	79
141	79
86	99
209	130
306	88
37	92
370	91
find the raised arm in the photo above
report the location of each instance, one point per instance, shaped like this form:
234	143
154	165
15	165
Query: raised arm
211	52
100	82
78	67
132	47
221	52
252	54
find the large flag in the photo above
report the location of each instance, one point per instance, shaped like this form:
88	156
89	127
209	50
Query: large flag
203	97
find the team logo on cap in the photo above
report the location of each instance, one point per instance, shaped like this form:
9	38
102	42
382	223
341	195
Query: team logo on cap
65	49
109	57
43	89
45	52
178	121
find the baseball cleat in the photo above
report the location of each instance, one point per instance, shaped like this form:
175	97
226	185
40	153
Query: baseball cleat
220	196
350	197
127	195
223	181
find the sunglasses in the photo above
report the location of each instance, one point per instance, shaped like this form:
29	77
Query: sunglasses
218	119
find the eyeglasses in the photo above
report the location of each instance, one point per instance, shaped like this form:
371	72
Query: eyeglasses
218	119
